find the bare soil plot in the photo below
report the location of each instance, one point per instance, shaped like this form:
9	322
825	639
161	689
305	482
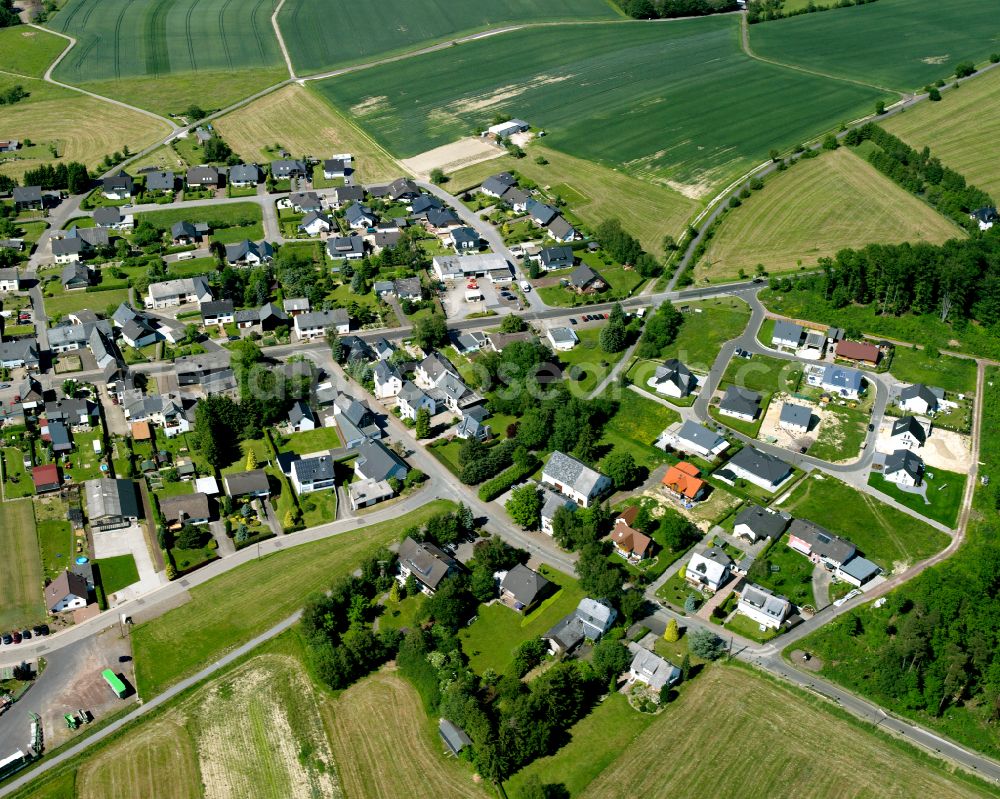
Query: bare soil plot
792	755
385	746
943	448
449	157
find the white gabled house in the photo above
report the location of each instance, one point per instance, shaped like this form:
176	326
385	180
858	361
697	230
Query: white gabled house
388	381
574	479
178	292
314	324
763	606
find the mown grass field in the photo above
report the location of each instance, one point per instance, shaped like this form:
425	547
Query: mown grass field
819	206
385	746
960	130
79	127
28	51
636	424
628	95
162	38
952	374
791	757
20	568
247	600
304	124
899	44
393	26
944	494
887	536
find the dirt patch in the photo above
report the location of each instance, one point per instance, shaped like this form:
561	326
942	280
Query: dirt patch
370	105
947	450
810	662
450	157
472	105
935	59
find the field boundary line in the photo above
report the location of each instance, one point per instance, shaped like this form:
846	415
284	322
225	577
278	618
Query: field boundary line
72	43
281	39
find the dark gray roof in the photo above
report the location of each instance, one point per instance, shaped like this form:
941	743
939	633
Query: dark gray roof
556	256
822	542
298	412
429	564
310	470
560	229
909	424
203	175
764	523
921	391
455	738
765	466
377	461
583	276
216	308
797	415
160	181
700	435
524	584
673	371
861	569
464	236
787	331
244	173
108	498
185	506
740	400
540	212
27	194
902	460
242	483
107	215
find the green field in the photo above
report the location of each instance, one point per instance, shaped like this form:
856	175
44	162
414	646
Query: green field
637	423
819	206
707	326
643	86
225	219
28	51
125	40
593	363
20	568
309	441
392	26
117	572
899	44
245	601
959	130
885	535
944	494
956	375
55	535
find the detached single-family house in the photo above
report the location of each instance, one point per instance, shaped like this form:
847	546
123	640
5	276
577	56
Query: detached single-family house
903	467
286	168
314	223
919	398
695	439
111	504
314	324
19	353
249	253
112	218
757	523
183	232
303	202
908	433
408	288
521	588
563	339
359	217
201	177
795	418
118	187
388	381
160	181
67	338
589	622
628	542
217	312
345	248
312	474
787	334
574	479
472	424
819	544
177	292
463	239
585	280
300	417
858	352
376	461
839	380
683	480
561	230
763	606
295	306
740	403
67	592
651	669
551	503
710	569
337	167
412	398
985	217
540	213
75	276
673	379
763	470
28	198
67	250
10	279
555	258
343	195
46	478
357	422
247	484
186	509
428	564
365	493
496	185
243	176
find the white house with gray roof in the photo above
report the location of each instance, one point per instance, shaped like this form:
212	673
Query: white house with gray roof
312	474
763	606
839	380
760	468
787	334
904	468
562	339
694	439
574	479
740	403
177	292
795	418
314	324
919	398
710	569
757	523
673	379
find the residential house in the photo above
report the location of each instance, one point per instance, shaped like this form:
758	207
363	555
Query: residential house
31	393
253	484
344	195
908	433
314	223
561	230
382	239
217	312
357	422
456	267
750	464
540	213
757	523
203	369
673	379
28	198
740	403
166	411
365	493
428	564
357	349
497	185
839	380
574	478
430	370
441	220
787	334
904	468
177	292
412	399
985	217
651	670
300	417
631	544
304	202
46	478
466	343
516	198
550	258
296	306
819	544
684	481
858	571
376	461
763	606
271	317
337	167
551	503
463	239
919	398
795	418
472	424
585	280
10	279
112	218
111	504
858	352
119	186
285	168
388	381
408	288
186	509
68	591
359	217
562	339
521	588
383	349
589	621
424	203
695	439
56	435
160	181
75	276
312	474
19	354
67	250
203	177
183	233
72	411
346	248
137	333
314	324
249	253
243	176
710	569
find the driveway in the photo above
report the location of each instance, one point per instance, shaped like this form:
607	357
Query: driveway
128	541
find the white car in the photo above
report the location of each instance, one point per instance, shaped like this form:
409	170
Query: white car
525	285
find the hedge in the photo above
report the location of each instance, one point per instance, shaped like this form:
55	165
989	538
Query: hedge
491	489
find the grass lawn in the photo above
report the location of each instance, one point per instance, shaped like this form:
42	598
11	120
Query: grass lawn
957	375
944	492
86	462
117	572
841	434
819	206
637	423
587	364
717	712
764	374
786	572
309	441
885	535
676	590
748	628
245	601
595	742
230	221
65	302
17	480
55	535
20	568
491	640
402	615
621	282
188	560
448	454
318	507
303	122
28	51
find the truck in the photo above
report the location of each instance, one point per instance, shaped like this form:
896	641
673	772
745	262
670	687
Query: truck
114	682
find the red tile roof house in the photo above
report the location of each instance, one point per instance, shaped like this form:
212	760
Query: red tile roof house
46	478
629	542
858	352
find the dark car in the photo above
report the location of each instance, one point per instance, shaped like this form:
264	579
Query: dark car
26	635
124	658
40	629
871	427
16	636
7	639
233	338
572	320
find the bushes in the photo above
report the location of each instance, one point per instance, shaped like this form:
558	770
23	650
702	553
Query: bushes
491	489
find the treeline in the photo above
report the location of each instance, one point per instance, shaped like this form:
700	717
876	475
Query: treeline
660	331
13	95
626	249
767	10
72	177
959	281
922	174
8	14
668	9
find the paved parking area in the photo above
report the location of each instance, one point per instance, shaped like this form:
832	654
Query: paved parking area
128	541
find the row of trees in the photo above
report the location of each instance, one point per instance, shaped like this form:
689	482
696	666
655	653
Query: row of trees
660	331
72	177
626	249
921	173
13	95
766	10
8	14
667	9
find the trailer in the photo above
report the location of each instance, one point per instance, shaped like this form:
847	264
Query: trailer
114	682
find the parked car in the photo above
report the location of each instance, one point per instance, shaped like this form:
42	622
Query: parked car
16	636
7	638
871	427
40	629
124	658
26	635
572	320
